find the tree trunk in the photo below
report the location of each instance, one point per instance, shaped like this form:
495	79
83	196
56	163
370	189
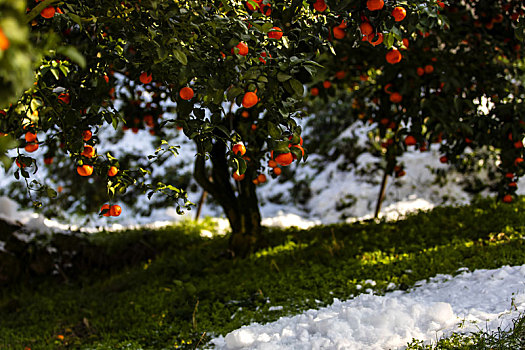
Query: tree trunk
240	206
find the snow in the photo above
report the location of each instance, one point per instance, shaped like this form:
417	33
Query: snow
471	301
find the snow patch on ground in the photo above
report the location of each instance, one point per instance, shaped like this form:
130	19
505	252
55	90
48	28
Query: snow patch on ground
469	302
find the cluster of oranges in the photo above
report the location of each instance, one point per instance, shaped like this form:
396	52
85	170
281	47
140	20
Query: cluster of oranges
107	210
88	152
266	9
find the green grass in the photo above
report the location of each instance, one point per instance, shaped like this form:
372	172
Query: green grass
189	287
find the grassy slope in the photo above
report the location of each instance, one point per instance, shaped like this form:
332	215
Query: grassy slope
192	287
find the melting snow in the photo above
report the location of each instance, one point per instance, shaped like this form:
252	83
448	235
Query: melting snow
469	302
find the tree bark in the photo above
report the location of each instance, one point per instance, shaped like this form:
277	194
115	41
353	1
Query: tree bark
241	207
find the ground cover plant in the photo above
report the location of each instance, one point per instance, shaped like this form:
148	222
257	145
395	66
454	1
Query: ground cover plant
192	289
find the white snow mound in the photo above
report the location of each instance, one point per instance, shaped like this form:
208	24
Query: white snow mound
469	302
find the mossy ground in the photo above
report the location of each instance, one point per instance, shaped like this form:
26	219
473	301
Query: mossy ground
191	289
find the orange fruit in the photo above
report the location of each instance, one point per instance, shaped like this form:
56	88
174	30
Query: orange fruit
429	68
443	159
4	41
276	33
513	184
239	148
48	160
115	210
399	13
30	137
186	93
86	135
406	43
89	151
284	159
277	171
106	79
340	74
396	97
245	114
378	41
314	91
393	56
374	5
518	144
250	99
507	198
320	6
254	127
509	175
255	181
243	49
64	98
263	56
420	71
272	163
387	88
410	140
327	84
339	33
105	207
19	164
85	170
261	178
60	189
31	147
238	177
113	170
145	78
250	6
518	161
366	28
48	12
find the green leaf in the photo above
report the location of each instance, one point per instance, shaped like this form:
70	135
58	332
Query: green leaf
282	77
180	56
233	93
274	131
73	54
297	86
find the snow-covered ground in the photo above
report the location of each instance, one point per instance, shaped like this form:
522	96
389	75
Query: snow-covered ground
469	302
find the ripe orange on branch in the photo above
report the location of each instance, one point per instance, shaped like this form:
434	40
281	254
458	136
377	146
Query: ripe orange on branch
399	13
239	148
366	28
30	137
410	140
113	170
86	135
242	47
393	56
85	170
186	93
249	100
105	207
276	33
145	78
31	147
284	159
48	12
89	151
4	41
115	210
320	6
375	5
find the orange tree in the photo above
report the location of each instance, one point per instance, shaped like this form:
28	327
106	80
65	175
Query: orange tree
459	87
234	74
